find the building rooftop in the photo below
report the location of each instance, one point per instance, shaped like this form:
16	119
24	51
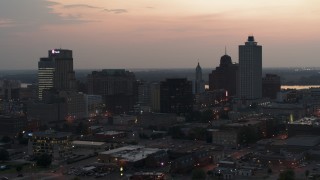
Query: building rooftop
110	133
307	121
89	143
131	153
51	134
303	141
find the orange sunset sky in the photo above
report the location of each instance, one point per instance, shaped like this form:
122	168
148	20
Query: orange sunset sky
158	33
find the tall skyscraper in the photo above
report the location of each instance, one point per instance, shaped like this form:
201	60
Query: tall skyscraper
225	76
250	68
45	75
199	83
64	76
56	71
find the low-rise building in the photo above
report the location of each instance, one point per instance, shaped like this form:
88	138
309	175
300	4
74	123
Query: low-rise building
225	137
134	156
110	135
11	125
57	144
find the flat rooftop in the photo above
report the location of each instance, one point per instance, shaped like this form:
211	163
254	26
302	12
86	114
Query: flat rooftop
131	153
88	143
110	133
307	121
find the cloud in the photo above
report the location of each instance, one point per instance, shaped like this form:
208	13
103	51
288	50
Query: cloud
80	6
6	23
116	11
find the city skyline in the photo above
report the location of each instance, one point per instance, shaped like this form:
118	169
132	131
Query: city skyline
157	34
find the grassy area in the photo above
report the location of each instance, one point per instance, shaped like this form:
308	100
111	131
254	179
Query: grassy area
26	168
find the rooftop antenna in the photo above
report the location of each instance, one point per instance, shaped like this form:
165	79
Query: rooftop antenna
225	50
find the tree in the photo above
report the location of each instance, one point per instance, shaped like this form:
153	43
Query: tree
287	175
198	174
19	168
82	128
4	155
306	173
6	139
206	116
44	160
198	133
176	132
247	135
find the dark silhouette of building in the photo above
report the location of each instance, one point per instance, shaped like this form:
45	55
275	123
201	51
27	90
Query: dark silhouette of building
271	86
199	83
176	96
250	70
225	76
64	75
11	125
56	71
118	88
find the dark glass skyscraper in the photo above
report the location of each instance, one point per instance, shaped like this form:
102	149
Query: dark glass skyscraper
56	71
64	76
176	96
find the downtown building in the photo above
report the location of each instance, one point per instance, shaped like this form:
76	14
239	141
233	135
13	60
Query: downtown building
117	88
199	83
271	85
250	71
225	76
57	94
176	96
56	72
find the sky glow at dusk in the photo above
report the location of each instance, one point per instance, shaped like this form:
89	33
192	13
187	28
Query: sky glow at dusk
157	33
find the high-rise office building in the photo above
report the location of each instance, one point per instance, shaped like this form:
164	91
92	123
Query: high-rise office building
250	70
45	75
225	76
116	86
199	83
56	71
64	76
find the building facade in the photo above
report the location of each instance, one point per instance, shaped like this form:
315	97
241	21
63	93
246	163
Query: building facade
176	96
271	86
199	83
116	86
64	75
250	70
56	71
225	76
57	144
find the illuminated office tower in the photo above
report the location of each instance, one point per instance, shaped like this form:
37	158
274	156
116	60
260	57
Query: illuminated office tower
45	75
56	71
